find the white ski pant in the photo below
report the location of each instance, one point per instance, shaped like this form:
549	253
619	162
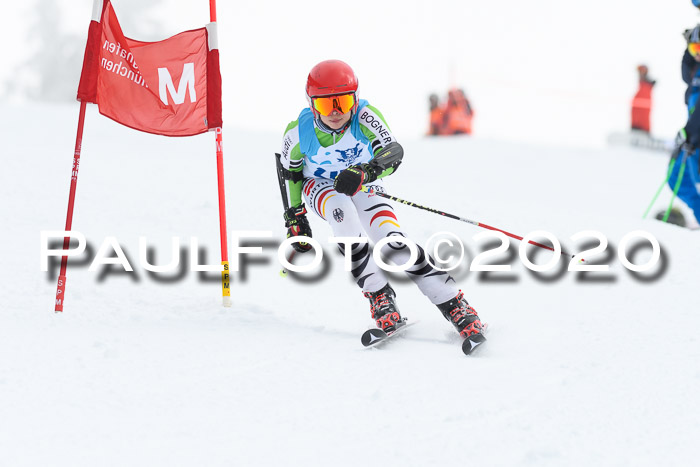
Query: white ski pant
366	215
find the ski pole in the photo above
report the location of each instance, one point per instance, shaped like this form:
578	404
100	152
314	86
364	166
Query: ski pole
284	271
677	185
671	167
452	216
285	203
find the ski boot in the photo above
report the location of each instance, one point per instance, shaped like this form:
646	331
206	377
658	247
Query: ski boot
384	310
462	316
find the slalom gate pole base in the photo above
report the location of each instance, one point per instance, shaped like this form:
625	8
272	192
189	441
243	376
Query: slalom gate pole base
60	294
226	285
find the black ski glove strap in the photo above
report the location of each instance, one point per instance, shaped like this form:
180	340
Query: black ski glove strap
389	157
298	225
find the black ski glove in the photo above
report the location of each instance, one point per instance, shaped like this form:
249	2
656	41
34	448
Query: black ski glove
298	225
350	180
683	143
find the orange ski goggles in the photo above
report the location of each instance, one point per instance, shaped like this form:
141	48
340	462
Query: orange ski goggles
694	49
326	105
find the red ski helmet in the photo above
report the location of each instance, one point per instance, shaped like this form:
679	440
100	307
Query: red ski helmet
331	78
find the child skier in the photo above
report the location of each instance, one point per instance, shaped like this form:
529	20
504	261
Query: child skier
336	146
688	138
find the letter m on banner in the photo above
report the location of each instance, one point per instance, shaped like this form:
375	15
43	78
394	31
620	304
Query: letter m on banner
165	85
171	87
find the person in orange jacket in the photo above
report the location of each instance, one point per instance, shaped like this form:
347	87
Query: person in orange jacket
641	103
458	114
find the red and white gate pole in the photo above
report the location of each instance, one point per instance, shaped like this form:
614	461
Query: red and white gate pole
225	276
61	287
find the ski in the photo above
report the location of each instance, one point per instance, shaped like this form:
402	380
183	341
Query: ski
375	336
475	341
641	140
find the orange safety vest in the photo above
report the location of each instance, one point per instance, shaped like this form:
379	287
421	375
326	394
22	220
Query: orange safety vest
458	121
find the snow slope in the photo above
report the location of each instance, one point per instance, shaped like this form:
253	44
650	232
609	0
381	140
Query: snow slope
595	369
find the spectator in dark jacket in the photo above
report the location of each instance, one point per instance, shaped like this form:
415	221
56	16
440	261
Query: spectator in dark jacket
688	138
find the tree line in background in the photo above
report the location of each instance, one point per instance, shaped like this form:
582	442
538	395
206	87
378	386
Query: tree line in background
51	70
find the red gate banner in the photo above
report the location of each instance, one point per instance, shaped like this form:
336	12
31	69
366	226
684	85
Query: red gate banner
171	87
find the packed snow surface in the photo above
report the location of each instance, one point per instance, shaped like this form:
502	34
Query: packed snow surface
597	368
